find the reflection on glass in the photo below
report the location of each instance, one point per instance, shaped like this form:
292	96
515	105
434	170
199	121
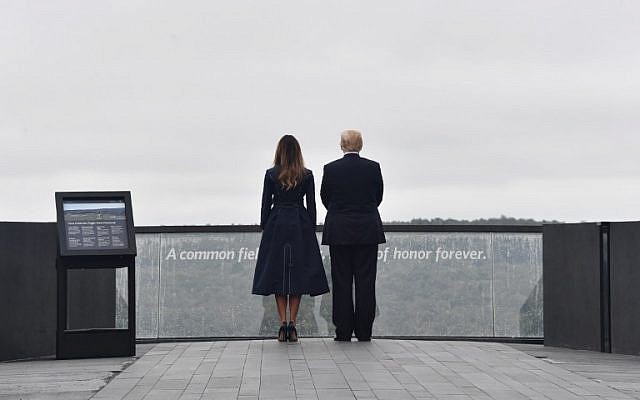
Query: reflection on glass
205	285
122	298
518	284
147	285
428	284
434	284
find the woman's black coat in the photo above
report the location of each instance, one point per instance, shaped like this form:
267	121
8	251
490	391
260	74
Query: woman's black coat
289	260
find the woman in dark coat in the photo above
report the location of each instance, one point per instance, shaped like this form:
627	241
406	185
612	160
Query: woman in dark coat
289	262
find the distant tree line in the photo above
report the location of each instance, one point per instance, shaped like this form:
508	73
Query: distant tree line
502	220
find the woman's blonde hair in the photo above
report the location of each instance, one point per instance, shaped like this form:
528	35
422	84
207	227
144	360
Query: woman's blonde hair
351	140
289	162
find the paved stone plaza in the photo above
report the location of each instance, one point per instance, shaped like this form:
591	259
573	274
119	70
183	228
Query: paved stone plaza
324	369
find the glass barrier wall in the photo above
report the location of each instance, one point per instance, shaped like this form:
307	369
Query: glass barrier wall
482	284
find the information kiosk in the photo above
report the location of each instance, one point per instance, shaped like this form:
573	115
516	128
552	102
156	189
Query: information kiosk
96	275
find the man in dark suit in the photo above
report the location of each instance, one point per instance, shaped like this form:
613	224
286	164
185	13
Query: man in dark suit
352	191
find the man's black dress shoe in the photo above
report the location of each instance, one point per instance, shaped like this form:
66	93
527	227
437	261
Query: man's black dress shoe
342	339
364	339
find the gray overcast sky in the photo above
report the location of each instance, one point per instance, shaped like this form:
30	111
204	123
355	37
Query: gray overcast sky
473	108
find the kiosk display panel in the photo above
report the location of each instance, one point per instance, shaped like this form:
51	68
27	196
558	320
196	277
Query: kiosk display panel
98	224
95	223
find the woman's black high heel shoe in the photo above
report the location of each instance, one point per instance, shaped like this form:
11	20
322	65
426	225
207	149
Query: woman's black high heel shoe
283	333
292	332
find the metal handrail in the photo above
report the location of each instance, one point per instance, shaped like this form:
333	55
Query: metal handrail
387	228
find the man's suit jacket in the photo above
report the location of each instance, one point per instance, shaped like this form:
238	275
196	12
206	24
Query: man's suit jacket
352	191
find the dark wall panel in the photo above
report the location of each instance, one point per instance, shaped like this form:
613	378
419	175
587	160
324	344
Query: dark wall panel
27	290
571	276
91	298
625	287
28	297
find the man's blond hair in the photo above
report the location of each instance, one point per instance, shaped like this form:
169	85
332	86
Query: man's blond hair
351	140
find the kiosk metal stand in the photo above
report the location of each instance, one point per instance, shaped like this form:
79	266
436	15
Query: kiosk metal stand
96	244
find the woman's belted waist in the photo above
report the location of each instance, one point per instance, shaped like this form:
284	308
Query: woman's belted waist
287	205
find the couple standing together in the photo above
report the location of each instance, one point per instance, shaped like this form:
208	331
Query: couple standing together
289	262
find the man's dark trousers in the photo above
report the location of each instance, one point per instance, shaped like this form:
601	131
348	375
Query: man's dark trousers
349	263
351	191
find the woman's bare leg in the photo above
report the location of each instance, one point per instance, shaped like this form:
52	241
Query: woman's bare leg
294	305
281	302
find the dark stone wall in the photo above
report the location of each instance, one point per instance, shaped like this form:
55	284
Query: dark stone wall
571	276
27	290
625	287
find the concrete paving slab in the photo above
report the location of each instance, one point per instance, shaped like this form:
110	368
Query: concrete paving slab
318	369
67	379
